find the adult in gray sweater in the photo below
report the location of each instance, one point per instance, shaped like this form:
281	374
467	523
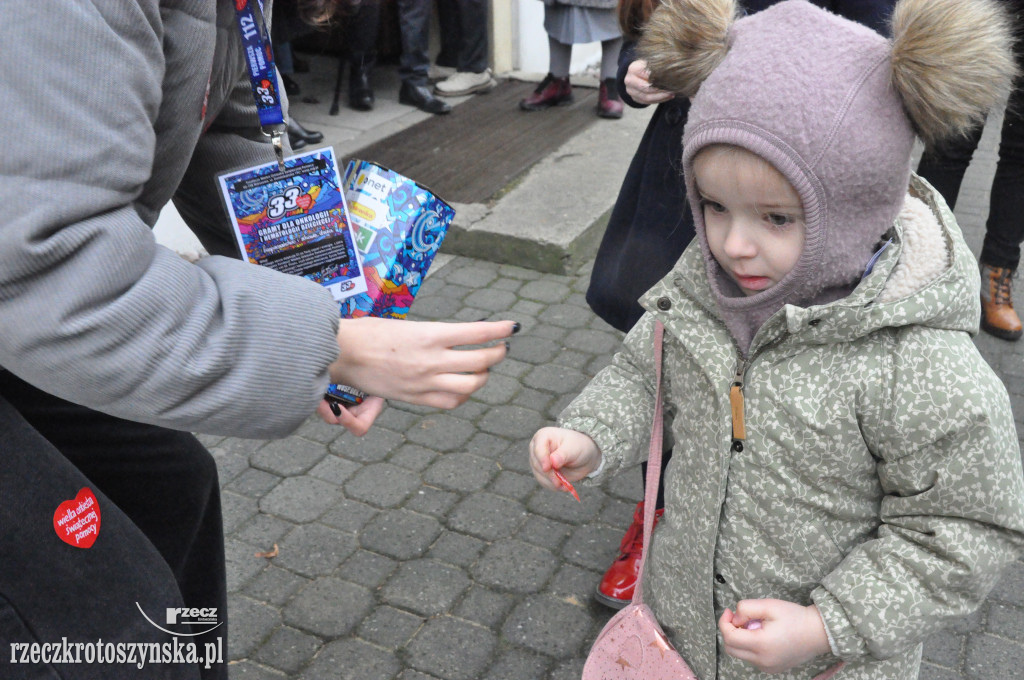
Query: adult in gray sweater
114	348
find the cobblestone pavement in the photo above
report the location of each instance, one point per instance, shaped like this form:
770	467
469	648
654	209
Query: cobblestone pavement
426	550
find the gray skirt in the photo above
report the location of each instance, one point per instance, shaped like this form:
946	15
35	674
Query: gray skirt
570	25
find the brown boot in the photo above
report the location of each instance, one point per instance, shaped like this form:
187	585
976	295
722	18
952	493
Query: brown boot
997	315
552	91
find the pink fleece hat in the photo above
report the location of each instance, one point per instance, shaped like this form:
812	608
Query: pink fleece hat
816	96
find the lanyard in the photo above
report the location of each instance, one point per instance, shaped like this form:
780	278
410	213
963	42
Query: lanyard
259	58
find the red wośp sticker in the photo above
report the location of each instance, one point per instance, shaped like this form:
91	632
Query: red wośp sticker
77	522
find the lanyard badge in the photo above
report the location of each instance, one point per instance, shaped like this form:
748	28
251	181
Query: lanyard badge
259	60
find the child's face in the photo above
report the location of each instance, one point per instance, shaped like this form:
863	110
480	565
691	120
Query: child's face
753	217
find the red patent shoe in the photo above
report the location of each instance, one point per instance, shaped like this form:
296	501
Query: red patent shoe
616	588
552	91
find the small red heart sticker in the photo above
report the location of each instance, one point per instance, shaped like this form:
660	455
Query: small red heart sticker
77	522
304	201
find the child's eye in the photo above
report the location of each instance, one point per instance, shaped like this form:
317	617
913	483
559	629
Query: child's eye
778	219
708	204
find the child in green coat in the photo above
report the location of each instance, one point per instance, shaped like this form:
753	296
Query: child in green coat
846	470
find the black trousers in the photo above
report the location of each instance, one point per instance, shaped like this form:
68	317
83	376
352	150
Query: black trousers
160	542
944	168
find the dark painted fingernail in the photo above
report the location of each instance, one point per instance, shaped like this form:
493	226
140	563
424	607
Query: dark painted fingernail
335	409
516	327
508	346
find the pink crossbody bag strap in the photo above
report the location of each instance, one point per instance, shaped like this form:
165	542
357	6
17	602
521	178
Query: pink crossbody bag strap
653	461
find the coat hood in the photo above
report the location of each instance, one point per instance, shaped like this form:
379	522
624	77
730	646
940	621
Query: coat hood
925	276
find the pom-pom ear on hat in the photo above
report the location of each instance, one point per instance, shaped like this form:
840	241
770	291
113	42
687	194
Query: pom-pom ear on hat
683	42
952	61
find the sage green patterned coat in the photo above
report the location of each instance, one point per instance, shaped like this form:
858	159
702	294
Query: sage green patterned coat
880	477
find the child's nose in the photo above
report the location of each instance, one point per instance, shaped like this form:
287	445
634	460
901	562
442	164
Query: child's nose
738	242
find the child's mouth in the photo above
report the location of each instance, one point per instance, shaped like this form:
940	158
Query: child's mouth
753	282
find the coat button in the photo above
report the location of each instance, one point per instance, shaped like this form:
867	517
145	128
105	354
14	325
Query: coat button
674	116
737	446
664	304
719	578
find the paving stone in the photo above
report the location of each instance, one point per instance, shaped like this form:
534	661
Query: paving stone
441	432
473	276
514	272
455	291
328	607
548	626
598	363
250	670
569	669
507	284
1006	620
456	549
472	313
517	459
484	606
932	672
943	648
616	513
352	659
253	482
241	562
314	549
389	627
487	445
545	290
487	516
1011	586
470	411
236	509
592	547
315	429
561	506
493	299
252	622
576	585
436	307
209	440
413	457
971	624
395	419
372	447
594	342
518	664
425	587
515	566
382	485
432	501
230	462
349	515
550	332
557	379
512	421
400	534
410	674
275	585
513	485
567	316
992	657
262	529
288	457
300	499
334	469
571	358
233	445
627	486
533	350
367	568
461	472
288	649
498	390
543	532
534	400
451	648
511	367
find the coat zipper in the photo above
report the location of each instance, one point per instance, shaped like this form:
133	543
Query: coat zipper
739	430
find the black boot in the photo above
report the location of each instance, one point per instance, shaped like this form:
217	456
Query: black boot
297	132
421	97
360	94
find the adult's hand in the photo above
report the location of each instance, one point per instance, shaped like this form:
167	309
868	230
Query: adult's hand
356	418
416	361
638	85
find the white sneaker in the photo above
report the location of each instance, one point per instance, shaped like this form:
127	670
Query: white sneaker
437	73
466	82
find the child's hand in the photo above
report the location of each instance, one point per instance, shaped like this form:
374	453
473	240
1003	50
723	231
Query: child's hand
638	85
789	634
573	453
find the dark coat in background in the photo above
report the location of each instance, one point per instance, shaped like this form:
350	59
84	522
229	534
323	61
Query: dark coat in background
651	224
